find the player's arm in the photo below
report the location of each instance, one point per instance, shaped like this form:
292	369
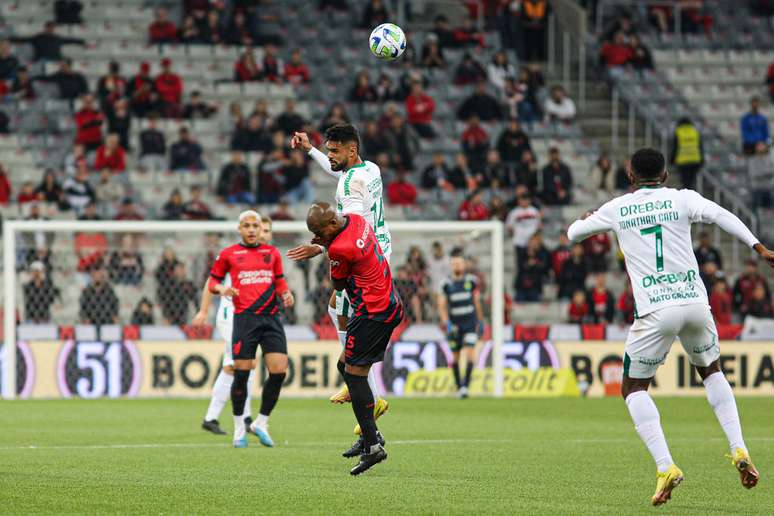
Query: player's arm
280	284
591	224
218	272
704	210
301	140
443	309
340	269
306	251
204	305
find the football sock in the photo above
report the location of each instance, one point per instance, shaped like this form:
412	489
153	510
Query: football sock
456	369
363	406
249	400
468	372
342	335
722	401
221	392
271	392
647	422
238	397
372	384
261	420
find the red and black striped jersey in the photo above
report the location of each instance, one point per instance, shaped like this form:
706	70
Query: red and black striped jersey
256	272
357	258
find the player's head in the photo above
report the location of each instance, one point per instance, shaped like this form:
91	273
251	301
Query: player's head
457	262
266	230
343	144
250	227
324	222
648	167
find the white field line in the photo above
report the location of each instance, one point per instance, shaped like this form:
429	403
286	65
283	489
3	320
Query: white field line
673	439
226	444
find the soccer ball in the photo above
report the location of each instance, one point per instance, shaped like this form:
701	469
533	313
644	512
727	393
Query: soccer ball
387	41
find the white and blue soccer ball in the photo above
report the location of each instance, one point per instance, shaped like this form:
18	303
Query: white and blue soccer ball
387	41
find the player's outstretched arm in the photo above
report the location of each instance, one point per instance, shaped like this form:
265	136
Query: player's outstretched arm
304	252
590	224
301	141
766	254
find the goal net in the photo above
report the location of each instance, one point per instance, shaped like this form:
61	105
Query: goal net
104	308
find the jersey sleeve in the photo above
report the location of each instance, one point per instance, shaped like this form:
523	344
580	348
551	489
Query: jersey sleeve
321	160
700	209
280	284
598	222
341	265
355	198
220	267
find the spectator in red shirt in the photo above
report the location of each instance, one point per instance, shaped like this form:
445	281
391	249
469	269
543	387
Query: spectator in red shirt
560	255
170	88
88	124
626	304
141	89
721	302
196	208
246	69
400	192
601	300
128	211
578	311
26	194
746	284
597	249
475	142
363	90
616	54
162	30
467	34
760	305
296	71
770	81
474	208
272	66
5	186
420	108
111	155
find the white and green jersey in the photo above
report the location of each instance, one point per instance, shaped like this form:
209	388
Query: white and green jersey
360	191
653	226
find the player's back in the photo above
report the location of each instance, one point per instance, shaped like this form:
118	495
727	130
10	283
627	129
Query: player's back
360	191
357	258
653	226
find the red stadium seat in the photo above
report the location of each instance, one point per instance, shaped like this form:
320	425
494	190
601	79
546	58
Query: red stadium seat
593	331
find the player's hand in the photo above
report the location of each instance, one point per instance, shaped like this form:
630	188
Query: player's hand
287	299
199	319
586	215
766	254
229	292
304	252
300	140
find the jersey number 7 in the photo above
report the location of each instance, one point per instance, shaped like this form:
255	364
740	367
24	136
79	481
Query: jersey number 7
659	245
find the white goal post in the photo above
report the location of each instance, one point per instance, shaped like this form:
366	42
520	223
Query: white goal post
419	231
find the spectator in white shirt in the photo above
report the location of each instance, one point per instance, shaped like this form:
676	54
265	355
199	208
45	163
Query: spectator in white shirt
438	266
523	221
560	107
500	69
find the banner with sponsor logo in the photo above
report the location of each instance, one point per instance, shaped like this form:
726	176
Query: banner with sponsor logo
544	382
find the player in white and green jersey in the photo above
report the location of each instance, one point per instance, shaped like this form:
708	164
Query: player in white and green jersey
359	191
653	226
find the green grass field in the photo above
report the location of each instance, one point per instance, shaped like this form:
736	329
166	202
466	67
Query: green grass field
569	456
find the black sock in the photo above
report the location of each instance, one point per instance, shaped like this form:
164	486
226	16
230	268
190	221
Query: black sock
239	391
271	392
456	369
340	366
363	406
468	372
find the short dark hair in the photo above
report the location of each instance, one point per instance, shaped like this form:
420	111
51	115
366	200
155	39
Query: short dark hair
344	133
648	163
457	253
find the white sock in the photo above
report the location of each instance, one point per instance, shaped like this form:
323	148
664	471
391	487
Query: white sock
372	384
221	393
248	401
334	317
648	425
342	338
261	420
721	398
239	427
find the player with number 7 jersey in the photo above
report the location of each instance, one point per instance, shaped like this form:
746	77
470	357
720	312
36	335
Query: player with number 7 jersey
653	226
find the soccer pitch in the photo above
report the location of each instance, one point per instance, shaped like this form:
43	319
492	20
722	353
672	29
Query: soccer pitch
568	456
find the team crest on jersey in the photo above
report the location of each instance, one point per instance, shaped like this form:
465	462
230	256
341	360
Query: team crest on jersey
359	243
468	285
335	263
266	258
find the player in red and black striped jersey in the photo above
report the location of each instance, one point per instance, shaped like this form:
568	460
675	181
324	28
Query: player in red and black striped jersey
359	267
257	287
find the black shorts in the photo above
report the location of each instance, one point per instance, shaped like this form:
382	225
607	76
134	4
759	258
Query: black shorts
464	336
367	340
251	330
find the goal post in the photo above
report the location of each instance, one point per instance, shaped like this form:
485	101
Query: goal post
23	239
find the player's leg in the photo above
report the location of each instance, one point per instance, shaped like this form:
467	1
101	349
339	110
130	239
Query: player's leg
699	338
455	345
336	300
243	350
470	358
275	357
647	345
221	390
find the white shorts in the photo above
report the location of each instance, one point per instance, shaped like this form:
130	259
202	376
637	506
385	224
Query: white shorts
651	337
225	324
342	300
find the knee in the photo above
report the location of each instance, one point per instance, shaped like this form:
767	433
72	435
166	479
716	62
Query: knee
228	369
632	385
713	368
